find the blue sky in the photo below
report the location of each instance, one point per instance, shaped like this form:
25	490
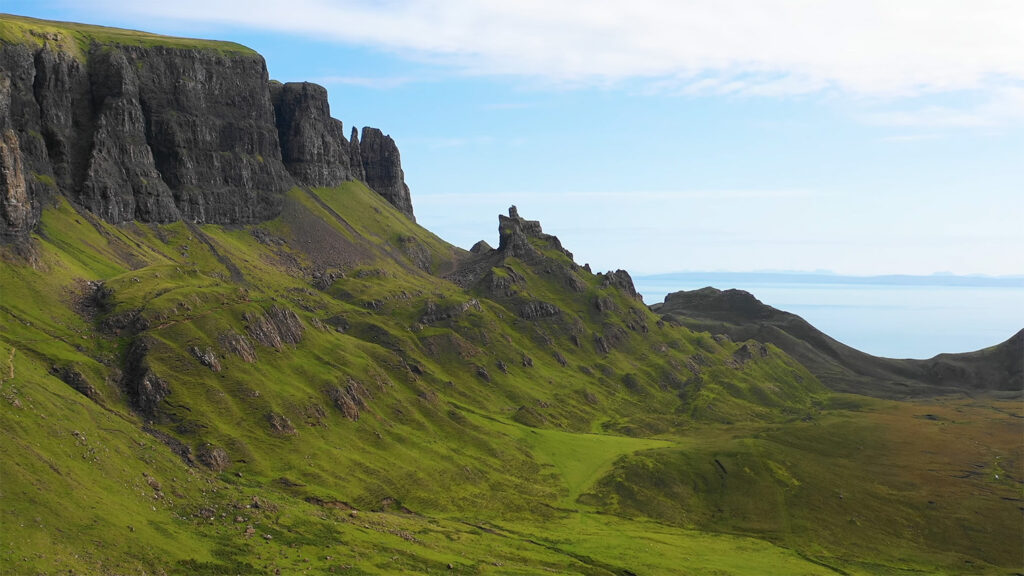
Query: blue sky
861	137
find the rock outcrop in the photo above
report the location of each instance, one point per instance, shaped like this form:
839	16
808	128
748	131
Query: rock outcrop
159	133
515	233
623	281
313	145
525	241
382	167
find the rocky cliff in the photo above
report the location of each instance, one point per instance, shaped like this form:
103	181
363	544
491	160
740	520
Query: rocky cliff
140	127
382	167
316	153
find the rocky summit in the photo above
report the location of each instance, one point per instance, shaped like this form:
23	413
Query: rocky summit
226	347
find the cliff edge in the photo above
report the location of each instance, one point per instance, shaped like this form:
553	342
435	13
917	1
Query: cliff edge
135	126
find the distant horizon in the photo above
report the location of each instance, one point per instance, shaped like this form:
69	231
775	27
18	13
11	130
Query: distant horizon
893	316
940	278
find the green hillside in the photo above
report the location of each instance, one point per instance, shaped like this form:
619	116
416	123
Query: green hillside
76	38
339	390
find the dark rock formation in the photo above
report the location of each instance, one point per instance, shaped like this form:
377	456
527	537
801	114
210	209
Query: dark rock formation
481	247
538	309
355	155
159	133
621	280
238	345
279	326
351	399
517	238
146	389
745	353
121	179
140	133
434	313
287	323
482	373
505	282
604	304
17	213
316	153
26	175
72	377
280	424
382	167
313	145
515	233
214	457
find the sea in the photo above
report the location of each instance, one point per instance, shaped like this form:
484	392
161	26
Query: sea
890	316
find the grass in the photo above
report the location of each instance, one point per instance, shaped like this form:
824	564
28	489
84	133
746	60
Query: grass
895	487
76	39
644	547
581	461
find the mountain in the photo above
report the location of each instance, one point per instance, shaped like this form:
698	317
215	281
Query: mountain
741	316
137	127
227	348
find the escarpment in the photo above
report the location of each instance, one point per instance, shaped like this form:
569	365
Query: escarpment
316	152
163	131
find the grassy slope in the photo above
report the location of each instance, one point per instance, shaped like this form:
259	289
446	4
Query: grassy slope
911	486
75	38
439	464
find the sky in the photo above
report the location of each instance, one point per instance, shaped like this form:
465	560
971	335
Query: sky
860	137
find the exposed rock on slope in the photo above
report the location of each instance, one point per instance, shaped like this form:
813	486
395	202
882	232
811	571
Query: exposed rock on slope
159	133
742	316
524	240
514	234
516	239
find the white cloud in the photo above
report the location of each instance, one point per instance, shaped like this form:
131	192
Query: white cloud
1001	106
766	47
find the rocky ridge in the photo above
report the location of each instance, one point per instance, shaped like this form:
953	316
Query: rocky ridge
161	132
740	316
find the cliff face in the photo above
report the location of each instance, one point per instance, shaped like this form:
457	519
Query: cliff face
382	167
316	152
313	144
159	133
